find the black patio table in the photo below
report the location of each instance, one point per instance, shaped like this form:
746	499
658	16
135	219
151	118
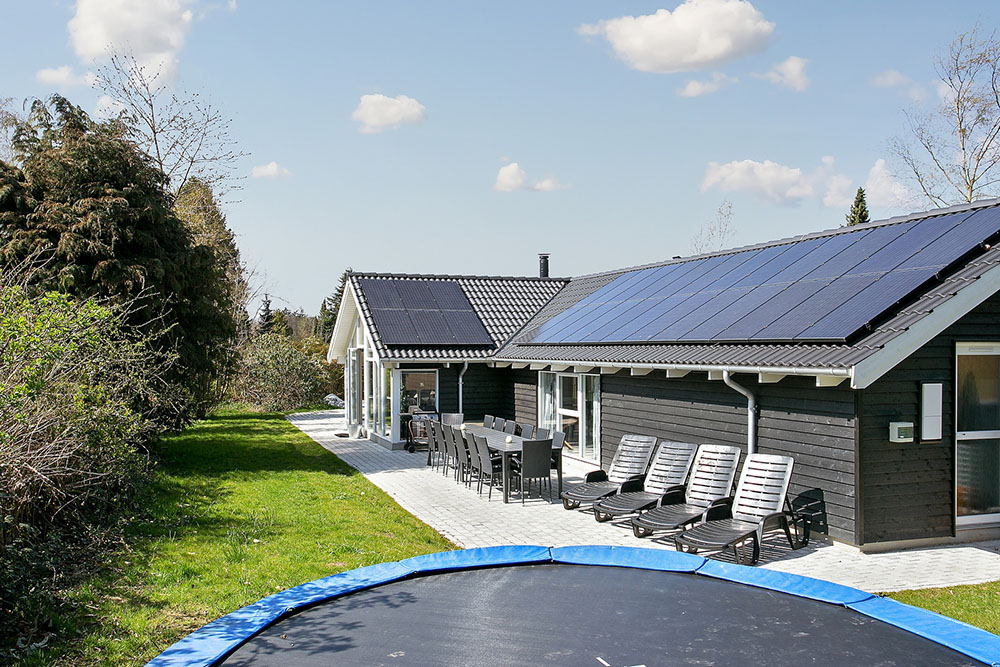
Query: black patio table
497	440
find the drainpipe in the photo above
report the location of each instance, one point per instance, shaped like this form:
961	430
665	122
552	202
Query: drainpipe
751	411
465	367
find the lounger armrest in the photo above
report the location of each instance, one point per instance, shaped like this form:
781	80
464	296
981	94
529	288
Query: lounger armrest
720	509
631	485
672	496
639	478
596	476
775	519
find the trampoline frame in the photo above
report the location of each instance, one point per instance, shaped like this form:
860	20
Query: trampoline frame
214	641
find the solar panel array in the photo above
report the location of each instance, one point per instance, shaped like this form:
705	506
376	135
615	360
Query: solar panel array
423	312
822	289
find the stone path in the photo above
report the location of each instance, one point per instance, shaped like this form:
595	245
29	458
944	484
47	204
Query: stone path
469	520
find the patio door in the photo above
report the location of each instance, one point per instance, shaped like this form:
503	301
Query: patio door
977	438
571	403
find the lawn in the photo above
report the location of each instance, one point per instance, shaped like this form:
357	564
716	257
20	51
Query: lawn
243	505
977	605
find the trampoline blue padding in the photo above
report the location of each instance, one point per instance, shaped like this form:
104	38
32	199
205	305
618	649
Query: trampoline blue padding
229	637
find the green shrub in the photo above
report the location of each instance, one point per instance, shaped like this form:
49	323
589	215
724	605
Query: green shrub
275	375
70	438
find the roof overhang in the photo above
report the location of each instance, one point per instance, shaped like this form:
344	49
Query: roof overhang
870	369
343	328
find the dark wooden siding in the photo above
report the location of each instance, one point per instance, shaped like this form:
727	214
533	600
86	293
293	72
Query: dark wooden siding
484	390
522	403
814	425
908	490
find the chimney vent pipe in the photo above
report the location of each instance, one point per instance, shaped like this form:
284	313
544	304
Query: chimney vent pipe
543	265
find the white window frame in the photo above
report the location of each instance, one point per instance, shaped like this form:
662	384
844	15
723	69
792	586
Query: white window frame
973	520
579	413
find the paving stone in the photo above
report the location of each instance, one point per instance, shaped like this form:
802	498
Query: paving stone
468	519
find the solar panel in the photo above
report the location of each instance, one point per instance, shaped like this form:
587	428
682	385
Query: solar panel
824	288
423	312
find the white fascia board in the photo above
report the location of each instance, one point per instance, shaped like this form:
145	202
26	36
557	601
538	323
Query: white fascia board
343	327
868	370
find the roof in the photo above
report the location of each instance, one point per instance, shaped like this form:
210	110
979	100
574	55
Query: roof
910	321
502	304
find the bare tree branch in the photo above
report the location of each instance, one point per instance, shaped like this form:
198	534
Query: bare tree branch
717	234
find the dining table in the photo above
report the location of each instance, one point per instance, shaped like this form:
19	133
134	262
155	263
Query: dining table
507	445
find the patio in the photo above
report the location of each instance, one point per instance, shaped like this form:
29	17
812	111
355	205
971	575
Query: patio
468	520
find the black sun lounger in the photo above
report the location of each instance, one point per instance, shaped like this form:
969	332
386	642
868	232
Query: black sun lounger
711	479
669	470
757	507
630	463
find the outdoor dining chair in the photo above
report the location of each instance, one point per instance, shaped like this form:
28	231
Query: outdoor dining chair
490	466
488	421
534	465
498	423
526	431
543	434
510	428
452	418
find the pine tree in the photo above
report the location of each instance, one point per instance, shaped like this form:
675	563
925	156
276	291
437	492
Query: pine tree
329	308
859	210
265	319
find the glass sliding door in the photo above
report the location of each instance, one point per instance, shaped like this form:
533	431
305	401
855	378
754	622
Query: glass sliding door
571	403
977	423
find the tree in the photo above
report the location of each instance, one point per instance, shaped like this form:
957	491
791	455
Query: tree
264	319
859	210
101	213
278	324
8	123
954	150
329	308
184	135
716	234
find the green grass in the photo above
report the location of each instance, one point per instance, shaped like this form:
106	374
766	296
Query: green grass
977	604
243	505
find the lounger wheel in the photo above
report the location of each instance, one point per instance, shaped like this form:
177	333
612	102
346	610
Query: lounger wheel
570	504
411	448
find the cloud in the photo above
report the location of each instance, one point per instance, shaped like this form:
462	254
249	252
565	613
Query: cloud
271	170
894	79
779	183
883	190
698	88
377	113
107	107
697	35
153	30
512	178
790	72
59	77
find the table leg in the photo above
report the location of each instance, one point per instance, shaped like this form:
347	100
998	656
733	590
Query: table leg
506	477
559	472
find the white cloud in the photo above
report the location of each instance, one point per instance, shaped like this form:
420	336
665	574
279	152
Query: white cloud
232	5
790	72
698	88
271	170
776	182
895	79
153	30
377	113
781	183
512	178
697	35
107	107
882	189
59	77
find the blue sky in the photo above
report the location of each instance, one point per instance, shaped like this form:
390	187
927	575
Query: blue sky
614	165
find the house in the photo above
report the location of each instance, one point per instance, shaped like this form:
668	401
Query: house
871	354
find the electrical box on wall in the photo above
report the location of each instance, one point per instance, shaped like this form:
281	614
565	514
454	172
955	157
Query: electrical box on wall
931	410
900	431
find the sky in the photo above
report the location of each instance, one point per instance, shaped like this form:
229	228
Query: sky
465	138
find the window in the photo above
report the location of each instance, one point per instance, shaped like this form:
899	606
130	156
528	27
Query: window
386	402
571	403
977	419
418	391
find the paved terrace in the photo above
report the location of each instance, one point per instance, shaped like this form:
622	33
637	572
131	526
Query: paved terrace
470	520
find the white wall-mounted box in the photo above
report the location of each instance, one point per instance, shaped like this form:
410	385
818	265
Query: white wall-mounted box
931	410
900	431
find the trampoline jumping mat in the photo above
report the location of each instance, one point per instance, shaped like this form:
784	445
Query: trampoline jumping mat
606	606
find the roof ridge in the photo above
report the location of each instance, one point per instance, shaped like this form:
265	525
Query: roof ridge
442	276
933	213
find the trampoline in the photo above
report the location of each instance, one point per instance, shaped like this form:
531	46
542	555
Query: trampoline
598	605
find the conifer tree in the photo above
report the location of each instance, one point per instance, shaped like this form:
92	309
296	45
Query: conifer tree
859	210
265	320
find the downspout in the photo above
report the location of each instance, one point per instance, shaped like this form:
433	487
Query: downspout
465	367
751	411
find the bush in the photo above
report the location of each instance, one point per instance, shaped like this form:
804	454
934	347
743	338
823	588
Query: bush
274	375
70	436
